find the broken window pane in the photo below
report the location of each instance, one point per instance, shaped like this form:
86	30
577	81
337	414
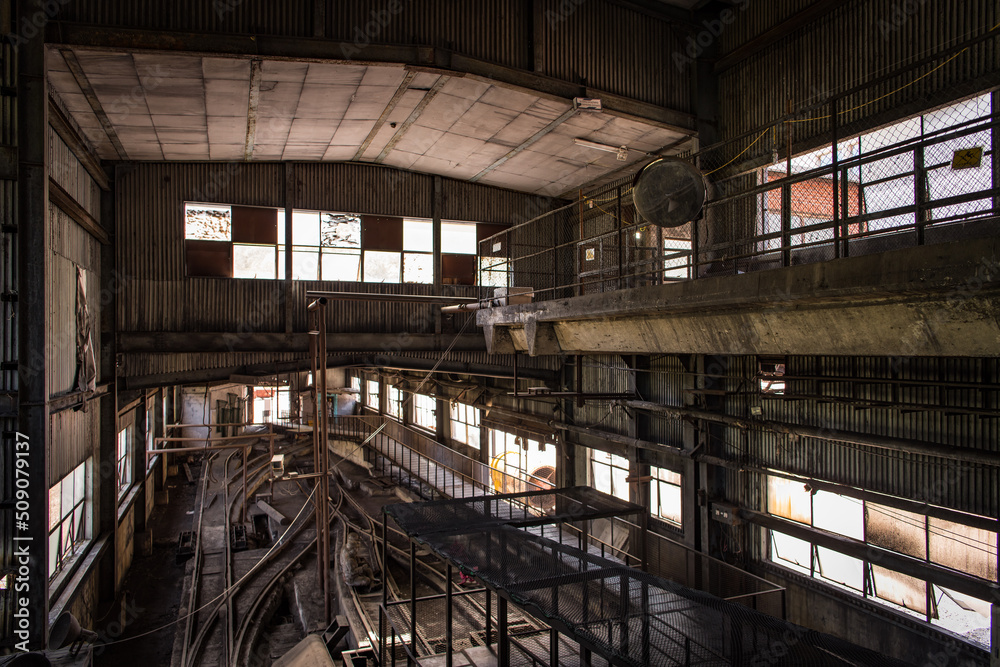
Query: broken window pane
838	568
900	589
791	552
418	235
253	261
493	271
665	495
382	267
838	514
789	499
897	530
207	223
963	548
963	615
418	268
341	265
340	230
305	228
458	238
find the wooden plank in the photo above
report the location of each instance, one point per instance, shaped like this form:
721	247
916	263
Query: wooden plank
65	201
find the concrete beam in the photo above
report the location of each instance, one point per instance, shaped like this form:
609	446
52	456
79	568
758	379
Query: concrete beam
937	300
541	338
169	342
499	340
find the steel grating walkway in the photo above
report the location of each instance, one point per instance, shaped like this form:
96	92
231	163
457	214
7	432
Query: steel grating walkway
623	614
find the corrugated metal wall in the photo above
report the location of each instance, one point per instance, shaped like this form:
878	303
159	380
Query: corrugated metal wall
67	171
856	43
150	230
73	437
72	247
613	48
616	49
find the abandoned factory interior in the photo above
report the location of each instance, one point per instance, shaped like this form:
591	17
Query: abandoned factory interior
543	333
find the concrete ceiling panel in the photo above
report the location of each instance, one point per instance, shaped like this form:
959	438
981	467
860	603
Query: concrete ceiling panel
220	151
131	118
312	131
352	133
506	98
442	112
271	130
222	130
401	159
304	151
419	139
470	89
181	151
226	68
105	63
169	122
377	75
483	121
324	101
455	148
166	65
281	70
279	98
339	153
335	74
227	97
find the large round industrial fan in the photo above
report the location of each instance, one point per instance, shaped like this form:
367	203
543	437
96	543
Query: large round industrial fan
669	192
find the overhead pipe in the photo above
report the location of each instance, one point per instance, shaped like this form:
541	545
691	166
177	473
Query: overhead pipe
379	296
963	454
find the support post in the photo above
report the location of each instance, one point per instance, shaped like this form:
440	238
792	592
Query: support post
448	617
31	537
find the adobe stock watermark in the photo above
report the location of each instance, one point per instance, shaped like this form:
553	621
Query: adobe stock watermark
379	20
899	15
697	43
555	18
32	26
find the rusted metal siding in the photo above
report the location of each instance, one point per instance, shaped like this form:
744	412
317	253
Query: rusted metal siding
356	188
73	438
150	228
72	247
871	395
67	171
467	201
497	31
854	44
293	19
617	50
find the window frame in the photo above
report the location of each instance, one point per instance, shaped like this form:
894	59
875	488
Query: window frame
419	410
80	523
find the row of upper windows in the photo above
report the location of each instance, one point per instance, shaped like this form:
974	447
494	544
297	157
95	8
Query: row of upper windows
250	242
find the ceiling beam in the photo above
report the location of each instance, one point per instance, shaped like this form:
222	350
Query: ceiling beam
64	127
412	118
322	50
770	37
95	104
528	142
389	108
256	67
170	342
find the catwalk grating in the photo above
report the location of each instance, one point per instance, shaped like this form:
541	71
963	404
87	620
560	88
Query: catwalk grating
623	614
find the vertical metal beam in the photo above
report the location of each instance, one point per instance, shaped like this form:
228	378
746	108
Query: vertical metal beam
835	173
324	480
413	595
288	173
919	193
437	203
256	73
503	649
31	537
448	616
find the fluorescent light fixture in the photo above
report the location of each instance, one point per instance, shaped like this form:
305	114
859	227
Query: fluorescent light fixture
587	104
593	144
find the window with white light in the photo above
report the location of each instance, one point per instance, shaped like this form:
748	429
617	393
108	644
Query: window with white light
394	406
418	251
949	544
326	246
665	495
609	474
520	463
124	468
69	517
465	424
676	259
372	395
425	412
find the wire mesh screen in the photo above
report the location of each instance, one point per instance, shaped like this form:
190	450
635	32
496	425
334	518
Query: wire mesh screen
868	170
625	615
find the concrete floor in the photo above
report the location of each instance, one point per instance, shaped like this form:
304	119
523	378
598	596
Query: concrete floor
152	583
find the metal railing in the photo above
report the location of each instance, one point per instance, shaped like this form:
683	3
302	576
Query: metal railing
458	476
875	190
